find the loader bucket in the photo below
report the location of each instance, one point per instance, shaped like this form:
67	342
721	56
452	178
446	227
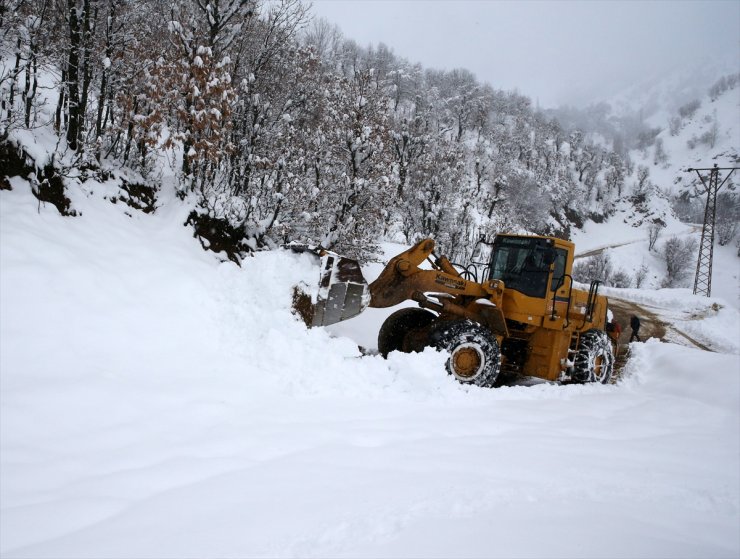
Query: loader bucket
343	292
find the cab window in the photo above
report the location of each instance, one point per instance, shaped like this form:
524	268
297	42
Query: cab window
559	271
522	264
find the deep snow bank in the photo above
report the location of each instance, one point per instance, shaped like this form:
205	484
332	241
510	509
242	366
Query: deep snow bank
155	402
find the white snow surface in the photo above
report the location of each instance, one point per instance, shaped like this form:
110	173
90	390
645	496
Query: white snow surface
156	402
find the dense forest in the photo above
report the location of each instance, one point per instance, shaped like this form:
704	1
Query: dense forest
280	128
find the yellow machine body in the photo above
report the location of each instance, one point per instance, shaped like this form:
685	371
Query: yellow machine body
537	329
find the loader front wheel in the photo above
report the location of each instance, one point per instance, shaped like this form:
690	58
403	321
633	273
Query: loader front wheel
594	360
475	357
398	326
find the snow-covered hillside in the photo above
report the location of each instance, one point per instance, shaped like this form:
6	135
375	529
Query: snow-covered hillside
710	136
695	114
157	402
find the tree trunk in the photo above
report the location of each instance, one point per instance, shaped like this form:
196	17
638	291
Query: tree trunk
85	62
29	94
60	103
130	132
16	71
73	65
103	98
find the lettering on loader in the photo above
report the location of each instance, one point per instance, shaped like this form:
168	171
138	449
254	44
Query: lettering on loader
451	283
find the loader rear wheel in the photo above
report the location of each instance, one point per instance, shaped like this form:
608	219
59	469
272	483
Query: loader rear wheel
397	327
594	360
475	357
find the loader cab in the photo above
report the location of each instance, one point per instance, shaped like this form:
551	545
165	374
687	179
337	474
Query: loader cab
524	264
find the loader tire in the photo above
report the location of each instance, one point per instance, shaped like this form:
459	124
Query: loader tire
475	357
397	326
594	361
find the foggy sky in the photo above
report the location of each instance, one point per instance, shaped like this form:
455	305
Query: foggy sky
554	51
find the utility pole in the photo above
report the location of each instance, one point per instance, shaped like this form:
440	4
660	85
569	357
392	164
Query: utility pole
703	279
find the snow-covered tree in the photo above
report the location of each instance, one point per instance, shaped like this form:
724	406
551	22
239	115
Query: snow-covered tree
679	259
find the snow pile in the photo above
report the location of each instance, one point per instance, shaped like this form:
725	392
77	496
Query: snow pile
156	402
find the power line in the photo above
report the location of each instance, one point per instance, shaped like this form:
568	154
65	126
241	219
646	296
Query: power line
703	278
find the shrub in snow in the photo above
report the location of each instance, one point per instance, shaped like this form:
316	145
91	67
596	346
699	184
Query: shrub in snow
722	85
646	138
710	137
688	209
660	156
679	260
597	267
641	275
654	230
726	231
580	271
674	125
728	216
643	184
689	109
621	279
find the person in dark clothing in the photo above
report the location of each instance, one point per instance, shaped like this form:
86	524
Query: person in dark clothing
635	325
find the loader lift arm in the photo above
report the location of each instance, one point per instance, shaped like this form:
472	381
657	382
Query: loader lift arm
402	278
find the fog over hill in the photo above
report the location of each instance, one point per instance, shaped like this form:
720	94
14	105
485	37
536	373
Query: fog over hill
557	53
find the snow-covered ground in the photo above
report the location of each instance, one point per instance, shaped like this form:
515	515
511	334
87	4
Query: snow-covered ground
155	402
713	321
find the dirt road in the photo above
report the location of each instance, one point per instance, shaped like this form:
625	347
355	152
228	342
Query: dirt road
651	325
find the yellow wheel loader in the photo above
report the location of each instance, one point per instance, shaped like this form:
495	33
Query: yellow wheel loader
514	309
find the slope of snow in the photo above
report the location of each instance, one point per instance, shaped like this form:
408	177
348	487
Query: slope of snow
673	175
156	402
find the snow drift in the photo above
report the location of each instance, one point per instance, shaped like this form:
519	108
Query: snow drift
157	402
